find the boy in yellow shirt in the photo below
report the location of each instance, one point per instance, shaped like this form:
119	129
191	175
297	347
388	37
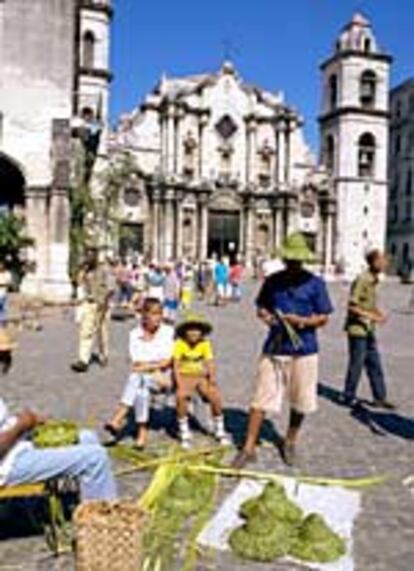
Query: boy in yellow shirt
195	370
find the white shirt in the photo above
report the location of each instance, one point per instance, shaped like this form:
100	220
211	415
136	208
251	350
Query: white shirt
159	348
7	422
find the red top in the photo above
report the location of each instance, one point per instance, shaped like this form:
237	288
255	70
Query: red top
236	273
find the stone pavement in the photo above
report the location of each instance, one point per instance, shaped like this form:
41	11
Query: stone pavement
336	443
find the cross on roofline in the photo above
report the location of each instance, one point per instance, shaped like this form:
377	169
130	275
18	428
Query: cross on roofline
230	49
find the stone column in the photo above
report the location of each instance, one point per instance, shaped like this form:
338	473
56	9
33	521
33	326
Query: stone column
249	232
178	225
241	233
155	224
202	163
169	226
58	284
170	140
36	200
281	152
164	141
178	166
328	239
286	171
276	174
251	127
291	213
277	227
203	227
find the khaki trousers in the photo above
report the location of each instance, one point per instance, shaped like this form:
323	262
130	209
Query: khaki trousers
94	325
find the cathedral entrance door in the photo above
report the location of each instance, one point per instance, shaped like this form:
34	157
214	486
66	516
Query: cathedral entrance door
223	233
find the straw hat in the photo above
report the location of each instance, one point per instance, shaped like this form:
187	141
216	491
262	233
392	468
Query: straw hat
295	248
194	320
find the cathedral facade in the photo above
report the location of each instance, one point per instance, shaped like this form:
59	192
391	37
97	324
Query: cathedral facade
222	168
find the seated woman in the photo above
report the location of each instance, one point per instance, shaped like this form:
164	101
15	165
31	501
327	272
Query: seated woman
22	463
150	348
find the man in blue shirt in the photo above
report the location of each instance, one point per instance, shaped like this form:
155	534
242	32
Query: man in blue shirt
293	303
221	280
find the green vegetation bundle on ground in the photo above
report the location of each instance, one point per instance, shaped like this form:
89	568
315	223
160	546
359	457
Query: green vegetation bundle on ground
274	527
56	433
179	502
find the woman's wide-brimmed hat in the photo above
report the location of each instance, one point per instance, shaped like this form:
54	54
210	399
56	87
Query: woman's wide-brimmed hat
295	248
194	320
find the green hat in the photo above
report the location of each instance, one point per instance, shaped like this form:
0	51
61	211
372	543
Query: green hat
295	248
195	320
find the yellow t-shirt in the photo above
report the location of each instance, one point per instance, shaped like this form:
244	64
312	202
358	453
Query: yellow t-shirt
192	360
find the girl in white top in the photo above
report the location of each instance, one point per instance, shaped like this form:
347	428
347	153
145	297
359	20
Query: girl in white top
150	349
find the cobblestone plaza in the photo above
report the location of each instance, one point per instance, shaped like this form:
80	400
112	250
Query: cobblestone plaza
336	442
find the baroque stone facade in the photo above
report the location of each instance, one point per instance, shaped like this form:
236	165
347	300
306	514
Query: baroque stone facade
52	81
222	168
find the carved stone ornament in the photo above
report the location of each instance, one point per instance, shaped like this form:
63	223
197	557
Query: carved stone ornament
307	209
226	150
190	144
266	151
224	200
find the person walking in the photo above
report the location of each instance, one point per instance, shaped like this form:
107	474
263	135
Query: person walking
172	292
362	320
221	281
236	277
293	303
94	316
155	282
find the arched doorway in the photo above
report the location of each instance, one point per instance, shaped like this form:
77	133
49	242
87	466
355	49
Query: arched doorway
12	185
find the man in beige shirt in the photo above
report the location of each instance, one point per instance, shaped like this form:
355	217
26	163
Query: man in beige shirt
94	318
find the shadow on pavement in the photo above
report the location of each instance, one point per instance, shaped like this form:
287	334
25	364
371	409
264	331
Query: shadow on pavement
236	425
381	423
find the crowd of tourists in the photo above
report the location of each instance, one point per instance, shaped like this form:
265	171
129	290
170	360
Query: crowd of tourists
174	355
216	280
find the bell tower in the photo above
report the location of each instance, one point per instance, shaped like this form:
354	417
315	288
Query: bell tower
93	73
354	140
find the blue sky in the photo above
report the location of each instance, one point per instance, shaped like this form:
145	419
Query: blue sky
276	44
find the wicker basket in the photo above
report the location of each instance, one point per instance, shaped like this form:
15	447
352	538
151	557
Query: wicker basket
108	536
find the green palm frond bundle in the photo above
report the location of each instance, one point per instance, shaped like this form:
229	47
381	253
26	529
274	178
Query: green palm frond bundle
176	499
180	502
291	332
55	434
